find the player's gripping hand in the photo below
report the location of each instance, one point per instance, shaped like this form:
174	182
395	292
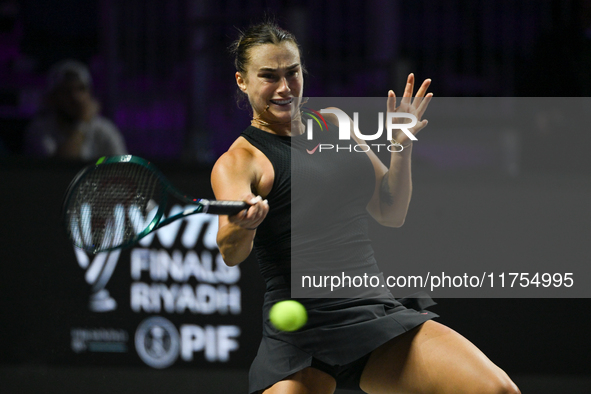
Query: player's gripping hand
252	217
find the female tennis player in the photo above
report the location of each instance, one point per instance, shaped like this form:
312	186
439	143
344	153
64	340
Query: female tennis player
373	344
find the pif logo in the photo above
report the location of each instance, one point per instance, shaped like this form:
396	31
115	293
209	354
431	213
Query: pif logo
159	343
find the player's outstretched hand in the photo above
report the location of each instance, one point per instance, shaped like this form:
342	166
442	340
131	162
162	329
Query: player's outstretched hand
416	106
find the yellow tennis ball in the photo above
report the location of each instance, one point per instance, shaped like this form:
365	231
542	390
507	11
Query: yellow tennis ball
288	315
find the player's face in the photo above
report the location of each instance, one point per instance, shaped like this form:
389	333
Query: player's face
273	78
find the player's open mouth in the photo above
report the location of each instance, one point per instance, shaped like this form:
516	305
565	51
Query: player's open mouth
282	102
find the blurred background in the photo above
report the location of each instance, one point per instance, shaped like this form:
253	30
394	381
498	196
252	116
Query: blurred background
163	76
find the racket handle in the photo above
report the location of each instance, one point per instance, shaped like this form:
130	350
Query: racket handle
223	207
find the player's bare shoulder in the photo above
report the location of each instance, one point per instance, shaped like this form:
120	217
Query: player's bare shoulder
243	163
239	160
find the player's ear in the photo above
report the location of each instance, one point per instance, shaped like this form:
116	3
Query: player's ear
241	81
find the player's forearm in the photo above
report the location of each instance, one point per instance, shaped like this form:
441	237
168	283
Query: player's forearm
396	189
235	243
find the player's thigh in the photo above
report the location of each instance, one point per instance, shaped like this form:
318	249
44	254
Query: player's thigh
307	381
432	358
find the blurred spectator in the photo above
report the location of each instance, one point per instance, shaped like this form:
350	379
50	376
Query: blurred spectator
69	125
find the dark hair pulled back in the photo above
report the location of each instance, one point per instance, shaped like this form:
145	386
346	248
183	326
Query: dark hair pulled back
267	32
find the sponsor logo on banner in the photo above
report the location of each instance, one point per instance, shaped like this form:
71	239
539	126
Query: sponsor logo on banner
159	344
99	340
188	278
174	271
99	269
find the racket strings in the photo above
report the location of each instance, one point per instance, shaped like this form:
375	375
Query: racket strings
112	205
146	200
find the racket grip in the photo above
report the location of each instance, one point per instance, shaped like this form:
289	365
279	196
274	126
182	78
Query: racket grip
223	207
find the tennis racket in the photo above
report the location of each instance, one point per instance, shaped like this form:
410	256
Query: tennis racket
119	200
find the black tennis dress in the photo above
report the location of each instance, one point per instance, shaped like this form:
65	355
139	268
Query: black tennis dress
317	218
